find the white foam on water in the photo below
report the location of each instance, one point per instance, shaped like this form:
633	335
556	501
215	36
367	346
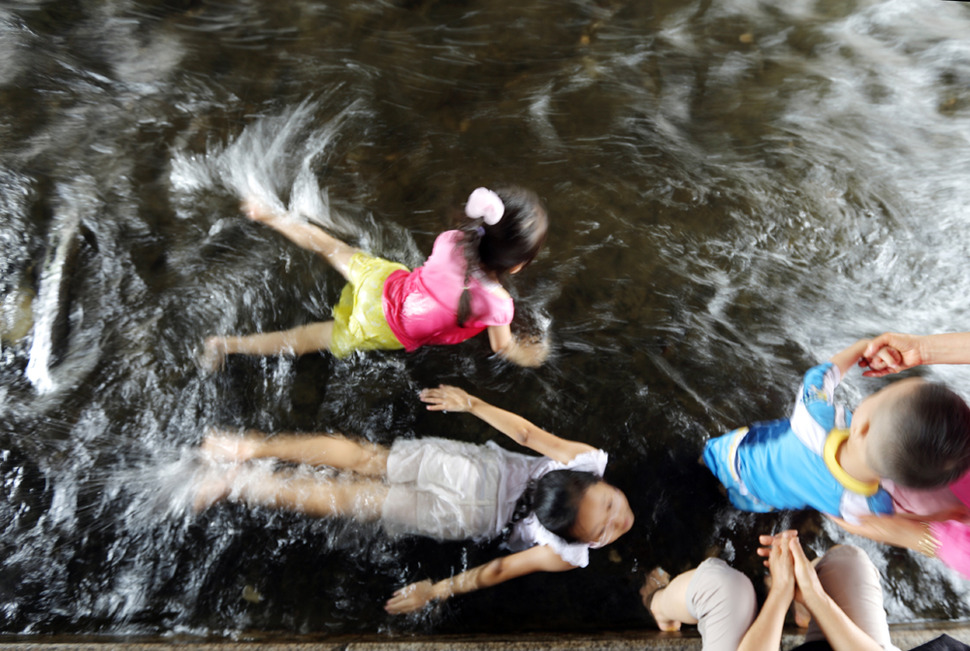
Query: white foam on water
47	307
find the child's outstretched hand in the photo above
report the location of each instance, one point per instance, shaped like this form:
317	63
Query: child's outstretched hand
446	398
410	598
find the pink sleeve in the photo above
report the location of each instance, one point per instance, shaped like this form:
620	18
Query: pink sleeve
961	488
954	549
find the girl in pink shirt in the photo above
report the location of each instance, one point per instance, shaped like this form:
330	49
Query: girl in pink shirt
456	294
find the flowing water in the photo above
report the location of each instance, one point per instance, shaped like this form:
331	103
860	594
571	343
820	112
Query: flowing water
738	190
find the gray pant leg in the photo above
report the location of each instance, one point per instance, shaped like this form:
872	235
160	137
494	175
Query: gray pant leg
723	602
850	578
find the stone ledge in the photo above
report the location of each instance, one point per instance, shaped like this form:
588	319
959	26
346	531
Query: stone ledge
905	637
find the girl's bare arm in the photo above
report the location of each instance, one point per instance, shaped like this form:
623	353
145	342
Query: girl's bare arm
535	559
520	430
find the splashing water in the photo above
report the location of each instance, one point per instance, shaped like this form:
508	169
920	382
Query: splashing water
736	191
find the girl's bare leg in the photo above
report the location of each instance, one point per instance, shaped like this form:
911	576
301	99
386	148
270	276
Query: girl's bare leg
297	341
305	235
214	486
314	496
361	457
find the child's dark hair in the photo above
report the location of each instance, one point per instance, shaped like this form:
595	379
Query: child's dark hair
496	248
931	442
555	499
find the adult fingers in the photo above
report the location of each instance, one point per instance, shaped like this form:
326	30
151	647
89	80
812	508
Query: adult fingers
877	343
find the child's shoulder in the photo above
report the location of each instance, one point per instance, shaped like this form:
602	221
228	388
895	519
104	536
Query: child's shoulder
495	288
449	238
448	247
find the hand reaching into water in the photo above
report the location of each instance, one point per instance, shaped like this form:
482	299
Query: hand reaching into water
410	598
529	352
446	398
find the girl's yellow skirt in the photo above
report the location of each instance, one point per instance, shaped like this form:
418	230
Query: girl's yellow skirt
358	317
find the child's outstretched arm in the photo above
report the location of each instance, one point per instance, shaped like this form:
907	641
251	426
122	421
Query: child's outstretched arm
523	352
847	358
417	595
520	430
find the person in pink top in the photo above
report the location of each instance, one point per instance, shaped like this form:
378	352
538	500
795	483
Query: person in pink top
937	522
455	295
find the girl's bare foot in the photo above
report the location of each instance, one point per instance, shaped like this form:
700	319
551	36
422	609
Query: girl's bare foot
257	211
226	445
656	581
214	485
213	356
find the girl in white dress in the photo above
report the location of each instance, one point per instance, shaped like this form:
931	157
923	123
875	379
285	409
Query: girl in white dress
557	504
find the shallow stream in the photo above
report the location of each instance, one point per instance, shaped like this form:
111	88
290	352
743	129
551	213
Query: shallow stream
738	189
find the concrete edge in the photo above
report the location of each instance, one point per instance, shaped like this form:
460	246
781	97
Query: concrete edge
905	637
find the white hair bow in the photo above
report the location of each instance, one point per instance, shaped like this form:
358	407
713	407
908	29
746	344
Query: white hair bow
485	204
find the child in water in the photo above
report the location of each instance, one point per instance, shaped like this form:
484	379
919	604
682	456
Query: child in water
455	295
557	504
912	432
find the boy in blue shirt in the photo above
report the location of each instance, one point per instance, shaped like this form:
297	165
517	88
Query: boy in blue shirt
914	432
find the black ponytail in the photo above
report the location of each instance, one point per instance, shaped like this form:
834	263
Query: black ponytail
496	248
523	506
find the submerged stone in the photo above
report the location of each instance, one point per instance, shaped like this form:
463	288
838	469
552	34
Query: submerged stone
16	316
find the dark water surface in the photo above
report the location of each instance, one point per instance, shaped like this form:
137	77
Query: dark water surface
738	189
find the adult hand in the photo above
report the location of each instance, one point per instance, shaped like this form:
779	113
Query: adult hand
806	578
410	598
891	352
446	398
767	542
779	562
900	530
888	529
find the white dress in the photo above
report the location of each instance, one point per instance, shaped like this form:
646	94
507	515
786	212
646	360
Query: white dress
451	490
